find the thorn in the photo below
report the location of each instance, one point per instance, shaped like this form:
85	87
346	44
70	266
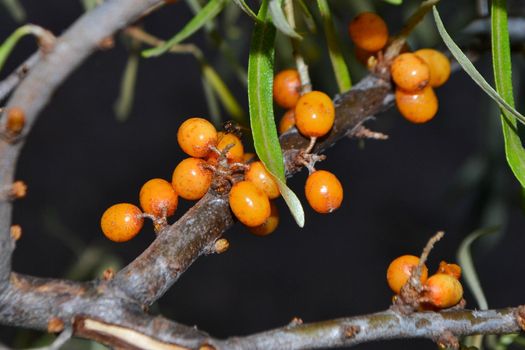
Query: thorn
16	232
55	325
221	245
365	133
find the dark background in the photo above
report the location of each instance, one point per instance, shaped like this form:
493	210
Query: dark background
449	174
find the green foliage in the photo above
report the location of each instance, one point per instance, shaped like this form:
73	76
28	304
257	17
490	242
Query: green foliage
124	102
243	6
15	9
9	44
260	82
394	2
280	21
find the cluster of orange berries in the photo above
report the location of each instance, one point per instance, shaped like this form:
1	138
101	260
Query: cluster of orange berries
440	291
313	114
415	74
192	177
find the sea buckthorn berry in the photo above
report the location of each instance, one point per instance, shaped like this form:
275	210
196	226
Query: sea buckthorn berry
368	31
248	157
287	121
191	179
410	72
261	178
234	154
314	114
157	197
195	136
15	120
443	291
453	270
417	107
249	204
323	191
287	88
269	225
121	222
438	63
400	269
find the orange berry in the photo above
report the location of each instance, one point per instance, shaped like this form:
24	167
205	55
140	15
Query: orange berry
191	179
15	120
269	225
368	31
323	191
443	291
287	88
261	178
400	269
410	72
121	222
249	204
314	114
453	270
234	155
195	136
438	63
158	198
417	107
247	157
287	121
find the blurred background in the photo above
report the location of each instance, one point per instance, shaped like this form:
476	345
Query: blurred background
449	174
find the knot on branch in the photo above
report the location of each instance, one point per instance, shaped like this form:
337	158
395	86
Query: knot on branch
55	325
520	317
351	331
447	340
16	190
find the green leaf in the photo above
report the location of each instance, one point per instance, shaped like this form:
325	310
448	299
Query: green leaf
244	6
208	12
15	9
280	21
260	83
394	2
9	44
341	72
124	102
502	67
307	16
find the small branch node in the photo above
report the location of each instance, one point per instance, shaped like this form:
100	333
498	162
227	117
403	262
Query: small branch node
221	245
296	321
365	133
351	331
55	325
447	340
520	317
206	347
16	232
108	274
17	190
107	43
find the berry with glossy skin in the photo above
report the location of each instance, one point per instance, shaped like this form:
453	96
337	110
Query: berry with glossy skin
323	191
368	31
287	88
400	269
417	107
121	222
287	121
438	63
191	179
269	225
453	270
443	291
234	155
249	204
195	136
410	72
158	198
261	178
314	114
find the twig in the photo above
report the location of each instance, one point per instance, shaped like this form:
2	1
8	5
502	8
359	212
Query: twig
8	84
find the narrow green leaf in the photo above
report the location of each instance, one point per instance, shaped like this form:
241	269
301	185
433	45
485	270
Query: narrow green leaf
9	44
208	12
260	82
214	110
280	21
469	68
341	72
244	6
394	2
502	67
15	9
307	16
124	102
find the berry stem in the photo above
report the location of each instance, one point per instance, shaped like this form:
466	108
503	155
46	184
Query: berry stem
415	278
308	149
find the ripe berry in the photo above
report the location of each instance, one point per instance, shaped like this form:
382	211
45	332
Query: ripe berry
269	225
453	270
410	72
121	222
417	107
443	291
287	88
368	31
248	157
314	114
158	198
438	63
249	204
261	178
195	136
191	179
400	269
323	191
15	120
235	154
287	121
